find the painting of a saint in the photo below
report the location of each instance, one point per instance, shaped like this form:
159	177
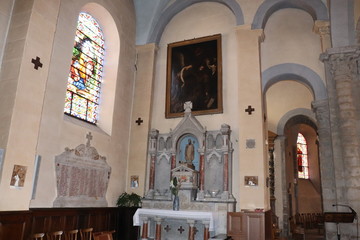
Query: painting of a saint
194	74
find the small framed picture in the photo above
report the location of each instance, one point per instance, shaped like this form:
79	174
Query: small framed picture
134	181
18	176
251	181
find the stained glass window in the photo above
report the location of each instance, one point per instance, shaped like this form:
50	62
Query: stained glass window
302	157
85	77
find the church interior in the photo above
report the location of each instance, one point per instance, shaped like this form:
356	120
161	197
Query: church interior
229	119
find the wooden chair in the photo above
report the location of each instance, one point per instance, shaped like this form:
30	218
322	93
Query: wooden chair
103	235
37	236
54	235
86	233
71	235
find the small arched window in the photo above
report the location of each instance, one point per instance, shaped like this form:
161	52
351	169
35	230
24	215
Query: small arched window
302	157
85	77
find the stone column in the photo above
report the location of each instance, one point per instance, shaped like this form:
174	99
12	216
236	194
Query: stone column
326	158
152	150
206	230
282	209
145	228
158	228
342	75
191	229
173	162
225	131
323	29
201	194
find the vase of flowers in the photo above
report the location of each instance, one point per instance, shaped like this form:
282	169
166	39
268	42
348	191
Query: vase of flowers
174	188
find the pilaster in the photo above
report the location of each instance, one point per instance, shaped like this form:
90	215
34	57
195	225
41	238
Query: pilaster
253	159
22	90
145	66
323	29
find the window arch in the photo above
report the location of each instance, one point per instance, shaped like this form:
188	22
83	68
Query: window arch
302	157
86	70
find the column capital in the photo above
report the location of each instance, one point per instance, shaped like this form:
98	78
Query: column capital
322	27
154	133
191	222
158	220
342	60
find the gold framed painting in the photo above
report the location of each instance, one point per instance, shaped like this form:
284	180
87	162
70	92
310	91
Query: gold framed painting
194	73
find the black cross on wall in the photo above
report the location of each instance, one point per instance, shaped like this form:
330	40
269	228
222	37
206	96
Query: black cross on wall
180	229
139	121
249	109
167	228
36	63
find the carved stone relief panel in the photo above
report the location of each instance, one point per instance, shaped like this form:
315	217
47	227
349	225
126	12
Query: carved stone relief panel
82	177
162	177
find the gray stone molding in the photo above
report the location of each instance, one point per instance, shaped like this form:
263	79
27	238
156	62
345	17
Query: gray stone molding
315	8
295	72
293	113
166	16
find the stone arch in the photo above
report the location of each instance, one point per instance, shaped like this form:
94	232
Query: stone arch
178	6
297	72
315	8
298	115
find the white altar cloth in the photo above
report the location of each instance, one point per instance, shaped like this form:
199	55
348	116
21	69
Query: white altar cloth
212	217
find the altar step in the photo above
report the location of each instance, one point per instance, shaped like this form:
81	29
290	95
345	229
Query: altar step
221	237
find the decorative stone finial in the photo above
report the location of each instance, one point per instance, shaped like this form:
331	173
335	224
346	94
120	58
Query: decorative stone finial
188	106
89	138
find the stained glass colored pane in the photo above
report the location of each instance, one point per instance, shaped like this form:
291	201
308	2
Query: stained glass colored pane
85	77
302	157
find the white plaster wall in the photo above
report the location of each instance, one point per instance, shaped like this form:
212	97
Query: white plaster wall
289	39
201	20
58	131
249	9
283	97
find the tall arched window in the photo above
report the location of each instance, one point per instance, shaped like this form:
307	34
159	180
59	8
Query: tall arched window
302	157
85	77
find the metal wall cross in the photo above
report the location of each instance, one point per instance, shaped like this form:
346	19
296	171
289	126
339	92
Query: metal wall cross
167	228
36	63
139	121
181	229
249	109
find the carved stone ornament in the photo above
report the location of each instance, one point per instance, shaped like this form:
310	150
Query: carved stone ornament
82	177
186	176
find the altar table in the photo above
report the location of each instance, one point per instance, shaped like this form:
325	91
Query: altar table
142	216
